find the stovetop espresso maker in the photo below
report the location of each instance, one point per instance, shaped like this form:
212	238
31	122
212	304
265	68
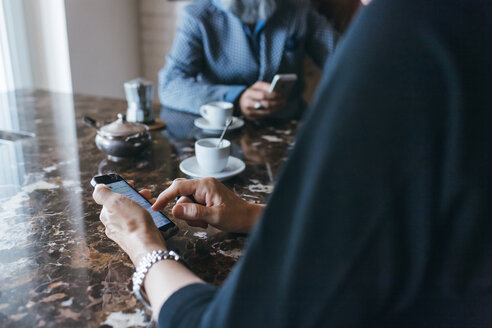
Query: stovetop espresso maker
139	94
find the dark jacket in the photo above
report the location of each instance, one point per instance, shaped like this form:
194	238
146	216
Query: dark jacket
383	214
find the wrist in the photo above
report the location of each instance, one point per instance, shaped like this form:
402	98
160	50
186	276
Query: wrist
253	212
257	210
143	245
149	261
238	109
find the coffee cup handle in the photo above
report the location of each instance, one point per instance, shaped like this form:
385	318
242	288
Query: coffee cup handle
203	111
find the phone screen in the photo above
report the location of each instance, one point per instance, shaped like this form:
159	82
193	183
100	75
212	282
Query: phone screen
117	184
121	187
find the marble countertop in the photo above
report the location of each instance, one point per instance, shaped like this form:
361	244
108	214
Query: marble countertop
58	268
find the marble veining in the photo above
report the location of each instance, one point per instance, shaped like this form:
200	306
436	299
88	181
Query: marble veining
272	138
58	268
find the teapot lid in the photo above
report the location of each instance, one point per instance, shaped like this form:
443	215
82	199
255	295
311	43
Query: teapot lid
122	128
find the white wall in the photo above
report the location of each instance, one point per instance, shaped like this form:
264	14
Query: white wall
104	43
158	21
88	46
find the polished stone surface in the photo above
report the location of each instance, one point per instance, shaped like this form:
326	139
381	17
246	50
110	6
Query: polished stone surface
58	268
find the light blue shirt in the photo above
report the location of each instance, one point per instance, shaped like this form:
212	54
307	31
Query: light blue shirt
216	57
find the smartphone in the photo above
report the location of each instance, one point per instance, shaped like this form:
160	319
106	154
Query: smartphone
283	83
117	184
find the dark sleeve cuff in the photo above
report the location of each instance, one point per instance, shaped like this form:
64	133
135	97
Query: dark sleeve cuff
186	306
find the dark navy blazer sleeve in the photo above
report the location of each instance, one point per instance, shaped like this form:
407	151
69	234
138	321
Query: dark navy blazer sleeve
382	215
186	306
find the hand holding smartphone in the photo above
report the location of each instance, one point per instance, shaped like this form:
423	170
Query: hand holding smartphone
283	83
117	184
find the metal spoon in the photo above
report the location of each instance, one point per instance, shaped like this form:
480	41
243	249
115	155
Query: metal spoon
228	123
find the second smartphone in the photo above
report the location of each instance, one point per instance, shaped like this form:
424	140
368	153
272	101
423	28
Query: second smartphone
283	83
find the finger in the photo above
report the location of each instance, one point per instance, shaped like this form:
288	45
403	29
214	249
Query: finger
176	189
109	233
103	216
253	113
256	95
252	108
146	193
266	107
261	85
131	183
273	103
275	96
184	199
102	194
273	106
115	203
193	211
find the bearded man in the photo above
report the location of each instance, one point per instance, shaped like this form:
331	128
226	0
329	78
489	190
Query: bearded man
230	50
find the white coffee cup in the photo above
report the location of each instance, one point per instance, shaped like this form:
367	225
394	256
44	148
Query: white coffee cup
217	113
212	159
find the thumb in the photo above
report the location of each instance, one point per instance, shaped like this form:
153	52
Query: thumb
193	211
101	194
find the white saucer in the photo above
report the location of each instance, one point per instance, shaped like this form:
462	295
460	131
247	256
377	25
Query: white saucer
234	166
203	124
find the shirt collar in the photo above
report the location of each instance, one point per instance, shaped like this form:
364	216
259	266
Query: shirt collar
259	24
218	4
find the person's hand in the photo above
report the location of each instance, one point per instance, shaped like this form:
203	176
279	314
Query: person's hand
258	95
128	224
216	205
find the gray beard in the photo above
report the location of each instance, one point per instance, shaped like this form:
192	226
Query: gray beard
251	11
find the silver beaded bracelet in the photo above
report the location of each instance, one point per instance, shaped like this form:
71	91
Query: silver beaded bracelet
143	267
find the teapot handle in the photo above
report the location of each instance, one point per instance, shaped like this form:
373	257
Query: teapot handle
89	121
